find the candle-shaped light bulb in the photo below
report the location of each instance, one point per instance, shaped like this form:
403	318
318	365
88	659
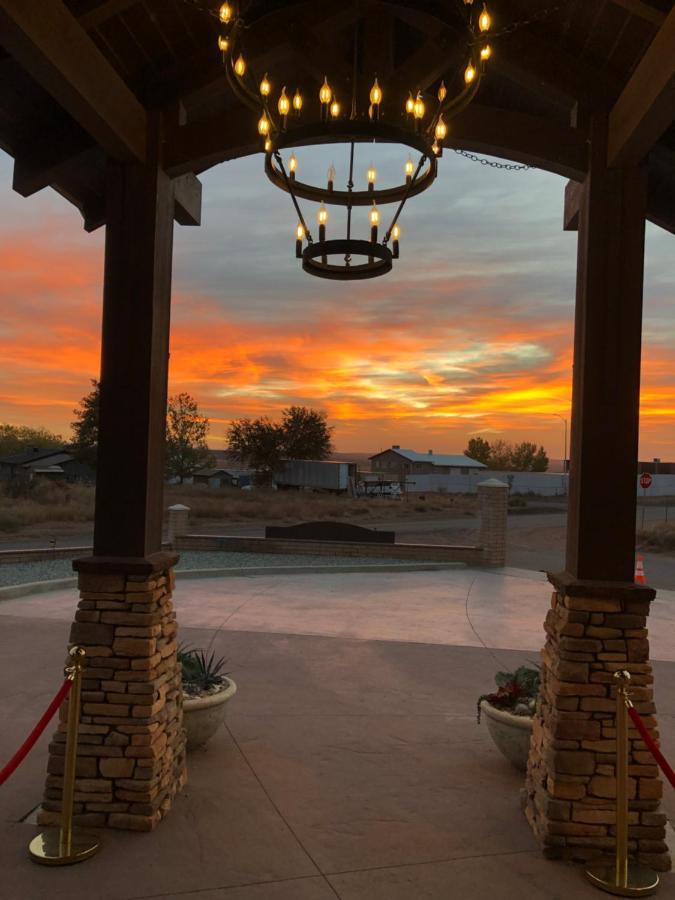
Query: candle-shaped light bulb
297	101
223	44
322	215
419	107
485	52
325	92
263	125
240	66
372	174
410	104
268	146
469	73
335	109
331	176
484	20
292	164
376	94
265	86
396	232
435	148
409	168
299	237
225	12
442	92
441	129
284	104
374	215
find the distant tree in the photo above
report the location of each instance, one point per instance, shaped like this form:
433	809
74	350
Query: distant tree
85	427
479	449
540	461
500	456
522	456
186	430
305	433
15	438
257	443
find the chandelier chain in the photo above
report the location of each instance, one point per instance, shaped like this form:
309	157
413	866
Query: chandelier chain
510	167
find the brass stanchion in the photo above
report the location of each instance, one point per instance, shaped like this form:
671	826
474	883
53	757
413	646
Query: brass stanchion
65	845
624	878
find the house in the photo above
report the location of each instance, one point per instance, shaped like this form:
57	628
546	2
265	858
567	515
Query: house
403	462
218	477
44	462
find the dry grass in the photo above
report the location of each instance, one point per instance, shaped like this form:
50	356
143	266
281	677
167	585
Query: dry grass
46	502
232	505
659	536
53	503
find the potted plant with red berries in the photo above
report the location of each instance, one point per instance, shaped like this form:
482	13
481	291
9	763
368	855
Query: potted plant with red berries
509	711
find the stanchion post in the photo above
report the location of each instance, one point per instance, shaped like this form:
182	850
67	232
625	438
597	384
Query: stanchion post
67	845
623	879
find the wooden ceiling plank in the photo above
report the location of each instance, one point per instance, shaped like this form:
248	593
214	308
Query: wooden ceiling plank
642	10
103	12
646	106
50	44
38	165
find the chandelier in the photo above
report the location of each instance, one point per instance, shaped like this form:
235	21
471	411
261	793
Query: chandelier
416	121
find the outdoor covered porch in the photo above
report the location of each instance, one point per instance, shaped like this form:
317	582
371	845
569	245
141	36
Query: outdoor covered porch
123	135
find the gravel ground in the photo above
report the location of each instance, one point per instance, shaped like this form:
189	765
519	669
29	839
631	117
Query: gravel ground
47	570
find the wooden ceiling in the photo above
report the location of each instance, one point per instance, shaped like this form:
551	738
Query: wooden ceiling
79	78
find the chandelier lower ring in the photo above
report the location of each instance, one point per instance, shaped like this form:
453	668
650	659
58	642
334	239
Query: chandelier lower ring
346	132
379	259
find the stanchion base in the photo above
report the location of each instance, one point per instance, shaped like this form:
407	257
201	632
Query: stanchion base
47	850
641	881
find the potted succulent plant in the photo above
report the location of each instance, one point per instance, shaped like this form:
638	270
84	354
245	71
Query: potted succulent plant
206	688
509	712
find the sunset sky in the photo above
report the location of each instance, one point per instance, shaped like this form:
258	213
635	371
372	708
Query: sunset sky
470	334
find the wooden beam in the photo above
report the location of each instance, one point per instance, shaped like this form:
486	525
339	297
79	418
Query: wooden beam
38	165
642	10
516	136
104	11
187	193
134	361
606	372
573	197
646	107
50	44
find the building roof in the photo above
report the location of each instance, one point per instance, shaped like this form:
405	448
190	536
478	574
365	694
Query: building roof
436	459
31	455
145	55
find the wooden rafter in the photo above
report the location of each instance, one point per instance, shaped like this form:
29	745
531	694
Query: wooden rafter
104	11
642	10
646	106
51	45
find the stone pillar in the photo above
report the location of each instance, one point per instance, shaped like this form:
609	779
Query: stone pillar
493	498
179	517
131	750
592	630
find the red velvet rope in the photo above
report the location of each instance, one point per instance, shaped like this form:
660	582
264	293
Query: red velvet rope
649	741
27	745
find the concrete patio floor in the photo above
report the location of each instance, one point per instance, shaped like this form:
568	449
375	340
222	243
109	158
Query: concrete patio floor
351	766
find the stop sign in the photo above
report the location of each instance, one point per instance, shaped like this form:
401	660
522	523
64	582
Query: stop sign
645	480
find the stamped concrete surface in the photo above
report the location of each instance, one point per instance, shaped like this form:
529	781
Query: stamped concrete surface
351	766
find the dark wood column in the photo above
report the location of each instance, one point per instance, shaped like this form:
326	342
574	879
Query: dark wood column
606	381
134	360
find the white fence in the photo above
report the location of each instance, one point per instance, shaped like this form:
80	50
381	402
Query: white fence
548	484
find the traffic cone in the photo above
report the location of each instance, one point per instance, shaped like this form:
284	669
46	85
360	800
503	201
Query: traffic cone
640	571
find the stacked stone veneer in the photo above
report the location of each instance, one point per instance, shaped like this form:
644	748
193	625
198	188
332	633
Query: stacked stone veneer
131	749
571	786
493	501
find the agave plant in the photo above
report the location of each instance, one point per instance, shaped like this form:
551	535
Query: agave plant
516	691
200	672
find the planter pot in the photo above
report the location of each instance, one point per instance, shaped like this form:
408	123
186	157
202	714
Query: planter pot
510	733
203	716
